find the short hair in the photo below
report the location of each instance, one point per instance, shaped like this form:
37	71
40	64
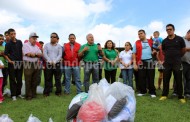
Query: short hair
141	30
72	35
41	42
113	45
157	32
11	30
188	31
1	35
6	32
55	34
170	25
88	35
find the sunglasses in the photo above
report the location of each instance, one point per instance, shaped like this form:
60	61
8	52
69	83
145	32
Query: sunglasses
1	38
169	29
53	37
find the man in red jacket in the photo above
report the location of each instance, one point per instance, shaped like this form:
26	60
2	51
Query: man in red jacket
142	59
71	63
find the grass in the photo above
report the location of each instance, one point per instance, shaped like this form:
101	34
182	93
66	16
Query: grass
148	110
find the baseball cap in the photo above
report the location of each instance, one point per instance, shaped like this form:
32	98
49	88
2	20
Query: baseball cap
33	34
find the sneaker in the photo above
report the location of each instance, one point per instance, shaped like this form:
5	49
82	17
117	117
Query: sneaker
182	100
163	98
1	102
140	95
14	98
187	95
20	96
152	96
174	94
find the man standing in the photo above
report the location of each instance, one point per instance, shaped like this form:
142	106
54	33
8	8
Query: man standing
40	63
53	55
143	62
13	54
173	48
186	65
31	55
71	63
89	53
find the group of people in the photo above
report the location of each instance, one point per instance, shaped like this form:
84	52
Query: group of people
170	55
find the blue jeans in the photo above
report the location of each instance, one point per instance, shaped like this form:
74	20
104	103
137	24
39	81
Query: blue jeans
90	68
69	70
127	75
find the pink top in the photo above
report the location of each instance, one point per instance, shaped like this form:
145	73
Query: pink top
29	48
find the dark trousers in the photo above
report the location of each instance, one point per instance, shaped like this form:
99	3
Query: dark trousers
15	78
100	70
186	74
51	71
136	80
5	76
39	75
177	72
186	79
30	75
146	74
110	75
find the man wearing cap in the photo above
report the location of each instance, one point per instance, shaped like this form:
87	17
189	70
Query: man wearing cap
53	55
31	55
13	54
89	52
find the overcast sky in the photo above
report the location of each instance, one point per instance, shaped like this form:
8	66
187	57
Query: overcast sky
118	20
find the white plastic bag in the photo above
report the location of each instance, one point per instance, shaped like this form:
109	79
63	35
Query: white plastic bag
39	90
33	119
119	91
93	110
104	84
75	105
50	120
5	118
7	92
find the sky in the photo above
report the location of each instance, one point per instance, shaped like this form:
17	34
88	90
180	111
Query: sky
116	20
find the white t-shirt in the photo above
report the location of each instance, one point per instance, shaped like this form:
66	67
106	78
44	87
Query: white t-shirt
1	74
126	57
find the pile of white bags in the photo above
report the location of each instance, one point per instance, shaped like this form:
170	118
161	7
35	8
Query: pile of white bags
107	103
5	118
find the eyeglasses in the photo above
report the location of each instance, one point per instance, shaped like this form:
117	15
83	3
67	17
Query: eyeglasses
53	37
1	38
127	45
169	29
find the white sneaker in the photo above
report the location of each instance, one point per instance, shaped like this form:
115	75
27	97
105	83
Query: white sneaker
20	96
152	96
14	98
139	94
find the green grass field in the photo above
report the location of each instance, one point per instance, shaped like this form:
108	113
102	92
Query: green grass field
148	109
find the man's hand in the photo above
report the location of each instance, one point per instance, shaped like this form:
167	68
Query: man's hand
85	49
33	55
11	62
154	52
188	49
135	67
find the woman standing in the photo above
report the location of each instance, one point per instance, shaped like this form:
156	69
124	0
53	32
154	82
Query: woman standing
110	57
125	58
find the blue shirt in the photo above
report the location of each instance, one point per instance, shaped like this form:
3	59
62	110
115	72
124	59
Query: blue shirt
4	43
146	50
